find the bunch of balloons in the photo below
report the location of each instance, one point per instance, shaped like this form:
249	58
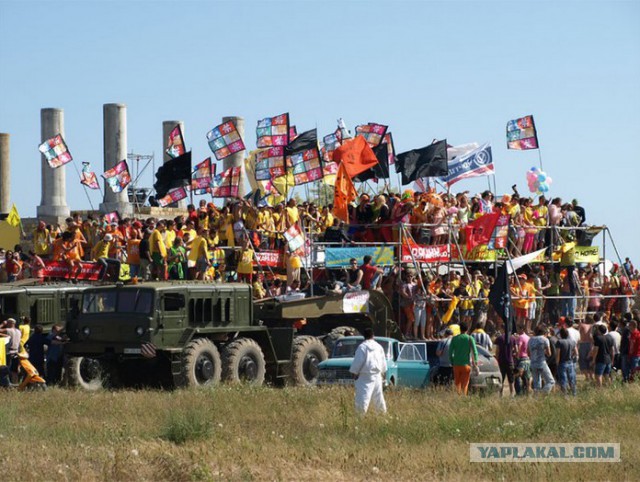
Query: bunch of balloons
538	181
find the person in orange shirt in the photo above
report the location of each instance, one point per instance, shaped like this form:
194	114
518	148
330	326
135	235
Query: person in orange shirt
70	254
78	238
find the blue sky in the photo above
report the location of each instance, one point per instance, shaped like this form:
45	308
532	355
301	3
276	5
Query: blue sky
455	70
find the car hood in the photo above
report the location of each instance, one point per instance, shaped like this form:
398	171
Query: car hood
336	363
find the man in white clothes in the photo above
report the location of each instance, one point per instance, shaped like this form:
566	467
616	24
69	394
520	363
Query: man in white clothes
369	367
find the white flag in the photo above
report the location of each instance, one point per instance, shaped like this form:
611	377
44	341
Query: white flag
519	262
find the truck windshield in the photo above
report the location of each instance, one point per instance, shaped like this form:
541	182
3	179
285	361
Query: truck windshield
122	301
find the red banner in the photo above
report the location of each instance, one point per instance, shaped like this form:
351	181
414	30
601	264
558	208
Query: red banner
269	258
60	269
426	254
501	232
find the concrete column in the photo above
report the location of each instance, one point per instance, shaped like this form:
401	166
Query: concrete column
115	150
167	127
53	204
5	174
236	159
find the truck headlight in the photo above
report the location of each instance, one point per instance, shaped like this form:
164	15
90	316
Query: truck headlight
139	331
86	331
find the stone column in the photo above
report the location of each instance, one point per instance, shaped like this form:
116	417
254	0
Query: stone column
5	174
53	204
167	127
236	159
115	150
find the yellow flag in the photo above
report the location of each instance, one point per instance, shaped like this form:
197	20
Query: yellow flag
249	168
284	183
13	218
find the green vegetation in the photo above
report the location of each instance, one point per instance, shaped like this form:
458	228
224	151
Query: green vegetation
243	433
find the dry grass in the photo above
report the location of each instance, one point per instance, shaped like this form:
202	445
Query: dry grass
233	433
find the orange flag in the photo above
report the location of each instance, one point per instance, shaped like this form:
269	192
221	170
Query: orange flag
345	193
356	155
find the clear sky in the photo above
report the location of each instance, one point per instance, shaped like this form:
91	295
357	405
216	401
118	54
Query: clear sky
454	70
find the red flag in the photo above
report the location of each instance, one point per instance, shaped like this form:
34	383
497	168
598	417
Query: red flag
345	193
356	155
479	231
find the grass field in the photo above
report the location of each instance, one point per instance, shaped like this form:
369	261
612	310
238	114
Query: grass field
239	433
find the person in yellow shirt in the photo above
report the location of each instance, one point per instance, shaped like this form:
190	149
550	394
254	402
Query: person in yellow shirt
170	234
158	251
292	216
520	298
42	240
199	255
245	263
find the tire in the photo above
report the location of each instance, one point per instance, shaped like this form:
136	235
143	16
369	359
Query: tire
89	374
337	333
243	362
308	351
201	365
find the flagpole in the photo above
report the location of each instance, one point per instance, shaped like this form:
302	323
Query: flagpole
540	158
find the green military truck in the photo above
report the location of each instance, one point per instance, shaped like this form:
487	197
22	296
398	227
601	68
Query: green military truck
192	334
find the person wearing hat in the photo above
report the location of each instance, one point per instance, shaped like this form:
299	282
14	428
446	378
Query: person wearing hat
100	252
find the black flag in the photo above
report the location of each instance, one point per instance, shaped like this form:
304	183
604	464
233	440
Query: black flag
173	173
430	161
306	140
500	299
380	170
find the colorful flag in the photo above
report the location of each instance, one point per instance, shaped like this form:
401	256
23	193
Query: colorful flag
303	157
328	146
55	151
478	162
13	219
345	193
521	134
270	163
226	183
273	131
172	196
175	143
224	140
201	178
356	155
293	133
88	177
429	161
112	217
373	133
388	139
295	240
118	177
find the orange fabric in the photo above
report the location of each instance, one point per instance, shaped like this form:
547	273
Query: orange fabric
461	377
345	193
356	155
133	251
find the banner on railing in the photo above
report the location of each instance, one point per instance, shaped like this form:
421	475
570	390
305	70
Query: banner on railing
272	259
426	254
500	233
480	253
339	257
60	269
586	254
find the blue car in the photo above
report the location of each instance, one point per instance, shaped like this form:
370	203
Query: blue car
407	364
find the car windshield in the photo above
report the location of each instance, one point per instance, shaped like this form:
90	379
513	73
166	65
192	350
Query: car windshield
346	347
124	301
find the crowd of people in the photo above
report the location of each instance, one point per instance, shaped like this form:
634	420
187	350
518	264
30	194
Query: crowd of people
222	243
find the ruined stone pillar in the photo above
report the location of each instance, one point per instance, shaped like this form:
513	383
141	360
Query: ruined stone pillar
115	150
167	127
236	159
5	174
53	204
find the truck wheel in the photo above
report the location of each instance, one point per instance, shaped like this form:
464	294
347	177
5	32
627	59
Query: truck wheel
201	364
337	333
89	374
308	351
243	362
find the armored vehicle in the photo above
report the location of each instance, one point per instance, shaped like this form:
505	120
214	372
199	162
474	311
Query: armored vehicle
191	334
